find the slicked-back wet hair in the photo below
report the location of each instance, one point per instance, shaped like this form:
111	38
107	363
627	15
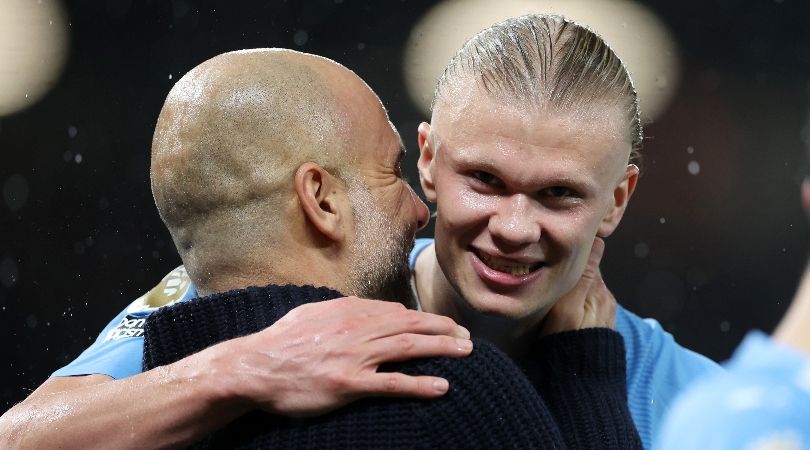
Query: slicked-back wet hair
549	62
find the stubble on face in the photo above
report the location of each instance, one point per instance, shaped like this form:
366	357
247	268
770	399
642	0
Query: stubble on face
379	252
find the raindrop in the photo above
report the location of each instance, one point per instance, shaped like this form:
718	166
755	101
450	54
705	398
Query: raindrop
31	321
662	220
690	149
170	76
9	273
78	158
693	167
361	46
300	37
641	250
725	326
72	131
15	192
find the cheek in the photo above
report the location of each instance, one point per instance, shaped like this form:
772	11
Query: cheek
573	230
460	207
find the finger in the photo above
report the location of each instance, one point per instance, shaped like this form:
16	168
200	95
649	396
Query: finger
418	322
364	306
401	385
602	303
409	346
594	258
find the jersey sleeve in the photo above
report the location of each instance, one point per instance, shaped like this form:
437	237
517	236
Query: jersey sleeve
118	350
658	370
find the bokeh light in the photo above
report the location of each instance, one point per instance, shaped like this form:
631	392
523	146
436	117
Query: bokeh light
633	31
33	47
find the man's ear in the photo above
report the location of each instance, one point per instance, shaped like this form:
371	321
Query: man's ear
321	196
425	163
621	196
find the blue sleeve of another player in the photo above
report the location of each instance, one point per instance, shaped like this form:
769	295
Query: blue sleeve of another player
118	351
658	369
762	402
419	245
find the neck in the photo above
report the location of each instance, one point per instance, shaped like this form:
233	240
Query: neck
437	296
308	267
793	330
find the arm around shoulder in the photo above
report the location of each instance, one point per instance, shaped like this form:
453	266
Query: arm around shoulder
163	408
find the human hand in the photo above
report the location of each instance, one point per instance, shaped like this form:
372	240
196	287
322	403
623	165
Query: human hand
588	305
321	356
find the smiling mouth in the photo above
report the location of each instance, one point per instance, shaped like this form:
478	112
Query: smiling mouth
506	266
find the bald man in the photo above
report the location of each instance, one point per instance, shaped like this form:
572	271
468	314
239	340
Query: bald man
273	171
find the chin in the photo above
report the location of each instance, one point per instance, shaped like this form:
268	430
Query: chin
503	306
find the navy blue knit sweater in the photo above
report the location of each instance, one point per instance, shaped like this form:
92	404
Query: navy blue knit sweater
490	404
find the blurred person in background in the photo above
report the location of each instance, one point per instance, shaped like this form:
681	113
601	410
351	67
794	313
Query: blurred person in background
762	402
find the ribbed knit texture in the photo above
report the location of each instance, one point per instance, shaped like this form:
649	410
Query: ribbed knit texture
596	415
491	404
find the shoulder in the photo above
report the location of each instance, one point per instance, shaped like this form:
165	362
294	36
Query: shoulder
648	345
762	401
489	403
418	246
658	370
118	349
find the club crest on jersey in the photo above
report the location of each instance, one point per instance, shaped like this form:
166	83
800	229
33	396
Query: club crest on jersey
171	288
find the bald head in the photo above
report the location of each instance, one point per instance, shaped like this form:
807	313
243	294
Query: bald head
229	139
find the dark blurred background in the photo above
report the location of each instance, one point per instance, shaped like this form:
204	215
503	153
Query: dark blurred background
712	245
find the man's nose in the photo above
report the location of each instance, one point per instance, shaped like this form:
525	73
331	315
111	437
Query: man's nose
515	221
422	214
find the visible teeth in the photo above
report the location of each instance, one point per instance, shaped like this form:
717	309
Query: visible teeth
505	266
